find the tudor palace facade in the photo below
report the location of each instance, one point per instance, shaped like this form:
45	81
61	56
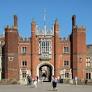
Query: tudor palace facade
45	53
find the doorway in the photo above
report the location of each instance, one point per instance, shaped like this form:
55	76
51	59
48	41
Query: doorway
45	72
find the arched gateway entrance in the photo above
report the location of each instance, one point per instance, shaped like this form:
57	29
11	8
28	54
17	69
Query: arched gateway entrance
45	71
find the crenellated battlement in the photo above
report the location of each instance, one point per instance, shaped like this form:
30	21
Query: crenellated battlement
65	39
22	39
81	28
2	36
44	31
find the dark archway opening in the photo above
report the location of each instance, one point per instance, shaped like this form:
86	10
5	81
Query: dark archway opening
45	73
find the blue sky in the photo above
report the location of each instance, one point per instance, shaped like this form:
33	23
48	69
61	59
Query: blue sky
26	10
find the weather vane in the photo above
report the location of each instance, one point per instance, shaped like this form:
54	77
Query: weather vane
44	17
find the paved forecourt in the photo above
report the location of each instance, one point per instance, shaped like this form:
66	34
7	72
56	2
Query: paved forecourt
45	87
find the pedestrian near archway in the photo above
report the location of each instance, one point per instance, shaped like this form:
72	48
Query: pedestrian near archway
54	83
76	81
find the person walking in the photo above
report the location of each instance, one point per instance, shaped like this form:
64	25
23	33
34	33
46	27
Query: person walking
76	80
35	82
28	80
86	81
37	79
54	83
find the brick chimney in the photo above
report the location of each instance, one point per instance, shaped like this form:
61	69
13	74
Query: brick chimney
15	21
73	21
